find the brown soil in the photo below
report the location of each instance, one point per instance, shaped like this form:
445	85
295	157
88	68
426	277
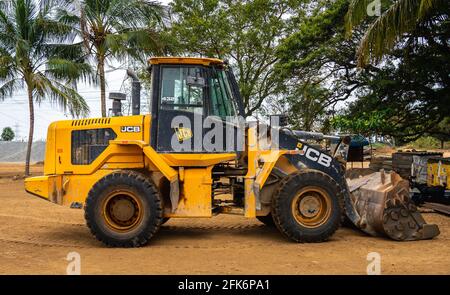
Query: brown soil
36	236
16	170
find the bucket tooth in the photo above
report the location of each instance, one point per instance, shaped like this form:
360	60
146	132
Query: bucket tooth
382	207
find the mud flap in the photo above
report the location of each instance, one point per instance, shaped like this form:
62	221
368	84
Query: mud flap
174	194
380	205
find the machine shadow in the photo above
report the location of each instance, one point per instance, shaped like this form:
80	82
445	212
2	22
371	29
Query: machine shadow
236	232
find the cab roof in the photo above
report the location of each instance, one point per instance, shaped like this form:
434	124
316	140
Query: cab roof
206	61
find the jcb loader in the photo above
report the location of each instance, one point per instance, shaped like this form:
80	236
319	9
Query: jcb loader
187	159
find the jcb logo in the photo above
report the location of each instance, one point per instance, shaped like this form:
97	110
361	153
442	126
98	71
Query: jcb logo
130	129
315	155
183	133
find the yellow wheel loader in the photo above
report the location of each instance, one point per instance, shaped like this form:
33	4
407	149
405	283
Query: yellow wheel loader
190	158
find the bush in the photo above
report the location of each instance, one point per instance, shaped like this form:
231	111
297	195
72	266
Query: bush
7	134
427	142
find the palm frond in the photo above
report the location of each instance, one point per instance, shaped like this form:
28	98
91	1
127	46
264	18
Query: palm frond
72	51
8	88
427	5
115	42
69	99
7	65
388	29
357	12
134	13
62	95
56	31
66	17
69	71
7	29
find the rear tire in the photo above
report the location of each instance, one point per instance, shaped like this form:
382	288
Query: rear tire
307	206
123	209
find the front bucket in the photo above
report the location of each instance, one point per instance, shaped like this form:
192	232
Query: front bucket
382	206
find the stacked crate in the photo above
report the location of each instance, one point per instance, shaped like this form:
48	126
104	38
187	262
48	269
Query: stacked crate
402	161
377	163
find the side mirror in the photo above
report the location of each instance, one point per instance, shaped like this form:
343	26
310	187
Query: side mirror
281	119
195	81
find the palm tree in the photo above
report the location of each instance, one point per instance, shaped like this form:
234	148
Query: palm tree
113	29
402	16
36	52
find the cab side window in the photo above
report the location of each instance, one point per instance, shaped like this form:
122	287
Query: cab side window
87	145
181	89
220	93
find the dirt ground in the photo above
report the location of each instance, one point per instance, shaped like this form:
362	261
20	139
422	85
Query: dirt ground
36	236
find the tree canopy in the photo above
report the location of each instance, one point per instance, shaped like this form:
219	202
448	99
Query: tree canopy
113	30
7	134
37	52
246	33
404	95
330	64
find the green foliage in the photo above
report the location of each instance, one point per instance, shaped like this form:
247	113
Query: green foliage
114	30
33	53
441	131
379	145
7	134
246	33
366	123
425	142
316	66
412	86
307	106
387	30
37	52
406	96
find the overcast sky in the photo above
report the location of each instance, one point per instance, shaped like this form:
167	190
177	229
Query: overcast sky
14	110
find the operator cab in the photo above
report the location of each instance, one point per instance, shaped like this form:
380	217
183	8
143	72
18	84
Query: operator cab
189	96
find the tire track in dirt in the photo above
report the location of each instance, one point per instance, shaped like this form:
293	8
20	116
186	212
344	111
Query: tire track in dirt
222	246
54	233
38	219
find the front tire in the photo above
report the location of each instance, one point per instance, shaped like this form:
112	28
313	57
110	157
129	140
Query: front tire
123	209
308	206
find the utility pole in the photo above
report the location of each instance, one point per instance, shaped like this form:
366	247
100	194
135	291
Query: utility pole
16	131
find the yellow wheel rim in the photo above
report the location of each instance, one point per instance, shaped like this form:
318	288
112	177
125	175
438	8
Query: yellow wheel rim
311	206
122	210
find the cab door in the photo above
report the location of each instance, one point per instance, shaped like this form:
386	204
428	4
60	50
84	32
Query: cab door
181	108
191	102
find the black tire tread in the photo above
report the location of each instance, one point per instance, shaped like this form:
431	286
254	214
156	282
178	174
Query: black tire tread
283	190
133	178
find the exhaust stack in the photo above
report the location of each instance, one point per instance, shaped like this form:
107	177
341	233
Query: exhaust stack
135	93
